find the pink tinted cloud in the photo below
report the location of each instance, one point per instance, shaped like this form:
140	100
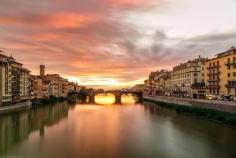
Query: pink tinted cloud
66	37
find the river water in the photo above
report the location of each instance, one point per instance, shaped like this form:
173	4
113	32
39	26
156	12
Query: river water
105	130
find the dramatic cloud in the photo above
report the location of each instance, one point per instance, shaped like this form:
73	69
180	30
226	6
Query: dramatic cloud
97	41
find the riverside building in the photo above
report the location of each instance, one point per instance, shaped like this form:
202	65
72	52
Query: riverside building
162	80
186	79
48	85
220	73
14	81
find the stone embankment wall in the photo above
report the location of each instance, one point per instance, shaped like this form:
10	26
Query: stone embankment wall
16	106
226	106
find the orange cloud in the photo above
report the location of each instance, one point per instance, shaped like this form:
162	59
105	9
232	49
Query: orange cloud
70	20
131	3
68	36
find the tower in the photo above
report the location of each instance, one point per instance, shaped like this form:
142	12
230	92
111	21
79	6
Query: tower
42	70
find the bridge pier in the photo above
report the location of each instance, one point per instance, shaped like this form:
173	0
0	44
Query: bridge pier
117	98
91	98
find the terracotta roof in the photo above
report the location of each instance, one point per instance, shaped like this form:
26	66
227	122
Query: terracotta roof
231	49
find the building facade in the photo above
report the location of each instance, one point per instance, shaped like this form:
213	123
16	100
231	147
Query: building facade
46	85
138	88
186	77
220	74
162	79
14	81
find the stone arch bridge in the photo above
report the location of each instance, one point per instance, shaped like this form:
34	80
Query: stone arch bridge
118	94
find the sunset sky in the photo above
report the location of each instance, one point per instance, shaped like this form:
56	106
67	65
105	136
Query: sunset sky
114	42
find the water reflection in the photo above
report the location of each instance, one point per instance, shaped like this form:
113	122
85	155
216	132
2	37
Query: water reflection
89	130
110	99
105	99
16	127
129	99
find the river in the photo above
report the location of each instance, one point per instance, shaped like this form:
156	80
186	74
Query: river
105	130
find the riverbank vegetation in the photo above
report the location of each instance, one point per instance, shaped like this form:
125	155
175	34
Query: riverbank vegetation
54	100
212	114
50	100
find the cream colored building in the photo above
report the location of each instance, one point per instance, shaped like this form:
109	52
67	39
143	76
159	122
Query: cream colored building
56	84
71	87
220	73
14	80
185	76
5	80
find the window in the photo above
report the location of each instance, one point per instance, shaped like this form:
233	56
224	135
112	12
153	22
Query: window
234	74
228	74
195	74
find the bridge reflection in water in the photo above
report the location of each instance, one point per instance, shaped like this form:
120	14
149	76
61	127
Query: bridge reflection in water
104	99
110	99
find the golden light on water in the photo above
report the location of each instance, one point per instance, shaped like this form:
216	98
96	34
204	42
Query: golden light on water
128	99
105	99
109	99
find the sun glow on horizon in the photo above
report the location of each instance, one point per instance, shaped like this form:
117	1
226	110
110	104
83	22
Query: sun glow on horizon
103	81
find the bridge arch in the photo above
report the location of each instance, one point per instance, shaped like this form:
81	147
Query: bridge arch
118	94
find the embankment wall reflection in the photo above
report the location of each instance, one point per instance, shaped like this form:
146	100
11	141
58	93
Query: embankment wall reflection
15	127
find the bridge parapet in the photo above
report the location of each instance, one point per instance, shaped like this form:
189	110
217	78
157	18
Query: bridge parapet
118	94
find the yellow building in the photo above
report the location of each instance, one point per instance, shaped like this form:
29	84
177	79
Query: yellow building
162	79
220	74
37	84
65	87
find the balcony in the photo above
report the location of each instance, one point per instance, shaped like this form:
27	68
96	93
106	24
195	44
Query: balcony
214	73
212	67
230	85
214	80
198	85
212	86
230	63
